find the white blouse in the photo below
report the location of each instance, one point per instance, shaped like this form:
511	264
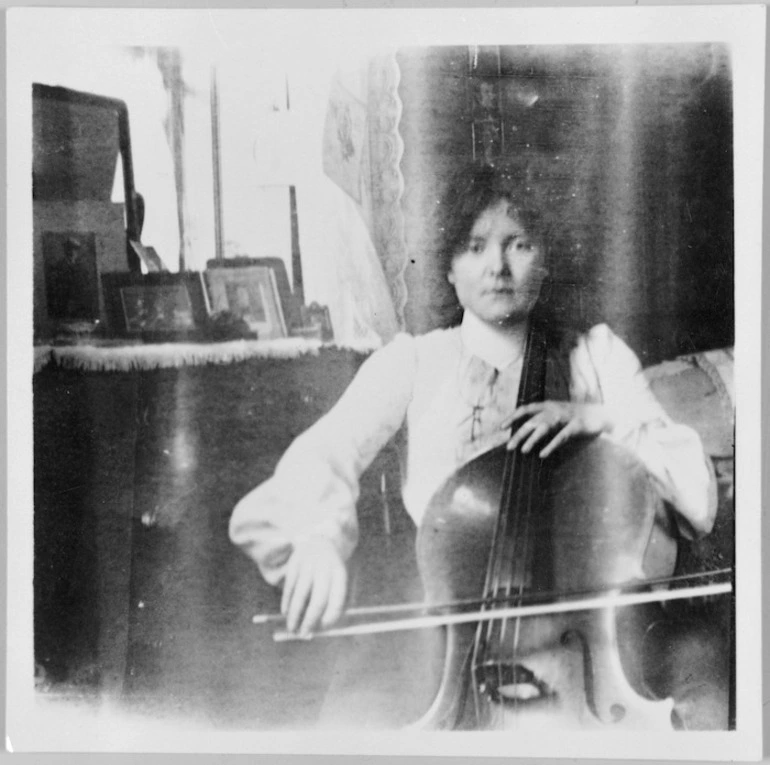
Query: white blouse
435	384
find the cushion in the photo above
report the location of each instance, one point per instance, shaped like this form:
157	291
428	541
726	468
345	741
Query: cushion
699	391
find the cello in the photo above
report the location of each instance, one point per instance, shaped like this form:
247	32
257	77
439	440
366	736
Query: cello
511	527
525	539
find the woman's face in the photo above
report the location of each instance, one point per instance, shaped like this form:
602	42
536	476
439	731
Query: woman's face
499	275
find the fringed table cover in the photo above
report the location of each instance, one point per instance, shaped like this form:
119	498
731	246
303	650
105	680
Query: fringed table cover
127	358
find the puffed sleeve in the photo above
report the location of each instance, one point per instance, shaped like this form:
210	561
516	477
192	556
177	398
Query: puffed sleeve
315	485
605	369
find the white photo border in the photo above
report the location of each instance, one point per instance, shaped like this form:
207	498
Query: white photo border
37	31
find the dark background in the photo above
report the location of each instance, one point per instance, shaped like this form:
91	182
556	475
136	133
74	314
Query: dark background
640	186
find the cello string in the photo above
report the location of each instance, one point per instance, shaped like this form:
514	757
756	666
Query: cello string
483	631
526	564
533	390
509	510
502	584
484	644
503	589
513	558
509	560
501	550
514	565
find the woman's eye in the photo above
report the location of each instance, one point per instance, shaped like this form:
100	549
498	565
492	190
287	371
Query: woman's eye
476	247
521	245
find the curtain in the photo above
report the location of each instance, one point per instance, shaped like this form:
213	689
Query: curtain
387	182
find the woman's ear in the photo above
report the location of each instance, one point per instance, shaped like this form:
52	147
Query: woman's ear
450	277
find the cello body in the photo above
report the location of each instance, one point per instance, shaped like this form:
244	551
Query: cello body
598	526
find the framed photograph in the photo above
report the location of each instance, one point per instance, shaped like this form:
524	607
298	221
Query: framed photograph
156	306
71	276
316	323
290	303
249	293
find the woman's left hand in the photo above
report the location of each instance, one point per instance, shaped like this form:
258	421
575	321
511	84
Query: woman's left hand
564	418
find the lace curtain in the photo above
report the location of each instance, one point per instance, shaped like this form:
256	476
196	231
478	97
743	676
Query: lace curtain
386	179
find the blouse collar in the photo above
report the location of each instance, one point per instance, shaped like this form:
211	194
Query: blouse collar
495	346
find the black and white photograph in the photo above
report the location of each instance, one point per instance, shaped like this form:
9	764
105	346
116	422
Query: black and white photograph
455	471
166	305
249	293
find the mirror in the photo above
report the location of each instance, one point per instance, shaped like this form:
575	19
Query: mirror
84	217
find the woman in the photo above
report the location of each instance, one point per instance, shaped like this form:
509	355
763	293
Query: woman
454	390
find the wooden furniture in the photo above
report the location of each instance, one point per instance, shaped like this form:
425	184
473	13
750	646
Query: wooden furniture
139	593
82	146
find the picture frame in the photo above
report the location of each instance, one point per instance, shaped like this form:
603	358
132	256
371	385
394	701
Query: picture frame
80	140
344	135
316	323
71	276
249	293
156	307
290	304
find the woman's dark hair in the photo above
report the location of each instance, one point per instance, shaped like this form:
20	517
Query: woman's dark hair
475	188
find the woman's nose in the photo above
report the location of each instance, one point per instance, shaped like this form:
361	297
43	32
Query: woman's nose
497	262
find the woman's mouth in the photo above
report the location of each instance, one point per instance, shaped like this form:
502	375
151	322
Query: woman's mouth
500	290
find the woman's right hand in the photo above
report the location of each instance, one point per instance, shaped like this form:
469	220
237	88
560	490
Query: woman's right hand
314	587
